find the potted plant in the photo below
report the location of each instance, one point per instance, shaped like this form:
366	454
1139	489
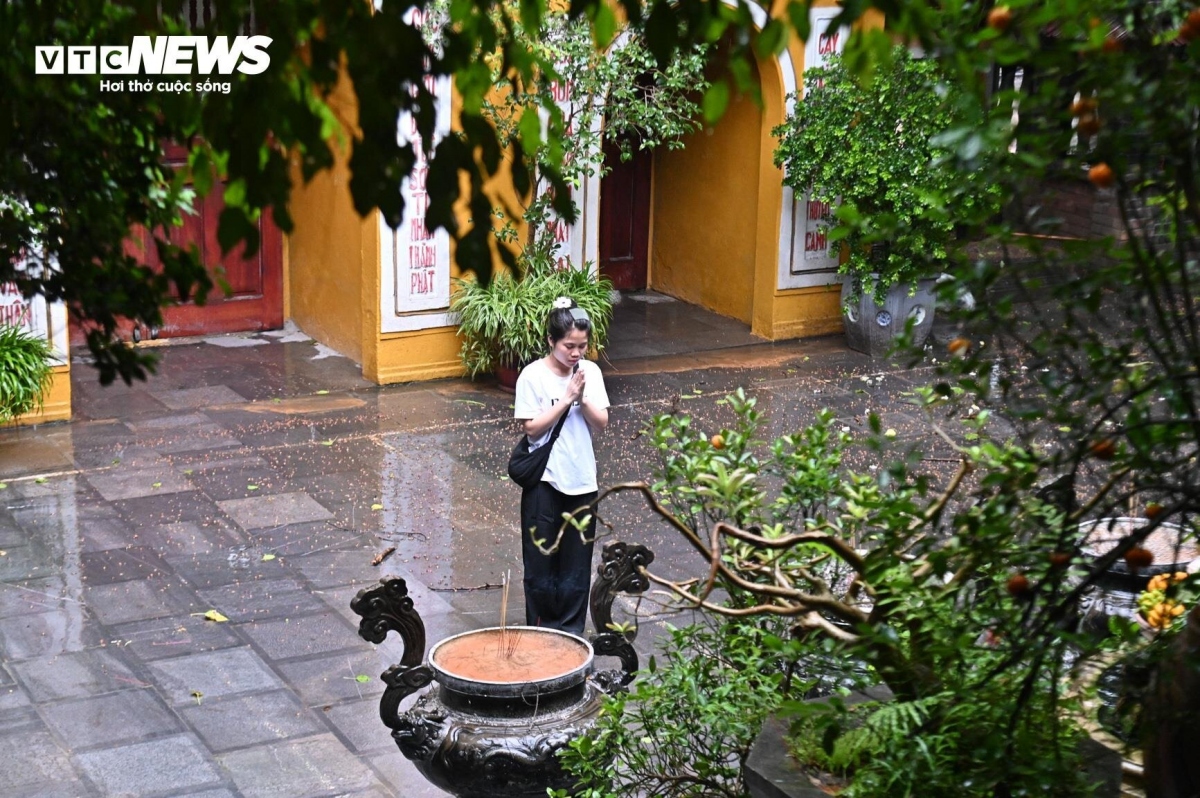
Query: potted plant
24	372
503	323
865	146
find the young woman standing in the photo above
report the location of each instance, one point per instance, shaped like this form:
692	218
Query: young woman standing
563	382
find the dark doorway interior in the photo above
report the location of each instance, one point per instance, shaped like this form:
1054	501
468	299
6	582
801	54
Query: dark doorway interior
625	218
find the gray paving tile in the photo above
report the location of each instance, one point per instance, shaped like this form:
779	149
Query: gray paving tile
20	721
351	566
316	765
262	599
31	596
299	540
240	721
190	398
176	636
139	600
213	674
105	532
11	695
260	512
241	563
60	632
117	451
125	716
85	673
173	421
34	764
298	637
76	789
188	537
359	723
167	508
404	777
171	763
121	565
132	483
323	681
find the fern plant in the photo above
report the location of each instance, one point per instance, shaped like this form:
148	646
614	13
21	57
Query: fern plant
24	372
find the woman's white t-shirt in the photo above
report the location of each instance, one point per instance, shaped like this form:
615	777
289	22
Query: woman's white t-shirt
571	468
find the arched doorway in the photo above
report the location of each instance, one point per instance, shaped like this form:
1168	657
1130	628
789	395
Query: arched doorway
706	208
724	232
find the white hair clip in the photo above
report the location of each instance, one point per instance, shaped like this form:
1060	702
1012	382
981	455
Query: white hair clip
562	303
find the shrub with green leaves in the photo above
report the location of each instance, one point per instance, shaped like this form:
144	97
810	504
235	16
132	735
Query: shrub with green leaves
686	725
863	141
901	577
24	372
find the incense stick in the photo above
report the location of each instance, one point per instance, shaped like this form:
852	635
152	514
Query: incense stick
508	640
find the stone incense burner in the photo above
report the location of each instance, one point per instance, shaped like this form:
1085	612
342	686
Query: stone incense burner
506	700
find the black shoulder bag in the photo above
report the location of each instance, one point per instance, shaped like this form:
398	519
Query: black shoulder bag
525	467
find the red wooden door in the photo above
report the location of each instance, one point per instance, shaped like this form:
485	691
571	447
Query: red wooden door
255	301
625	218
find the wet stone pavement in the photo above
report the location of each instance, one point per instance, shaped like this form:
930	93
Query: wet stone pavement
259	476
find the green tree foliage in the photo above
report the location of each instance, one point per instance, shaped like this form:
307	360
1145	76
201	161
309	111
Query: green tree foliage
883	570
686	725
865	145
966	587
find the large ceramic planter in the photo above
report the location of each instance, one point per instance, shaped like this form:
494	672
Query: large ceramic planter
506	377
1116	590
503	702
872	328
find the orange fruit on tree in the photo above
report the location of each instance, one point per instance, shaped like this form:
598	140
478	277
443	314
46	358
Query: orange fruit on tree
1138	557
1153	510
999	18
1088	124
1083	105
718	441
959	346
1102	175
1017	585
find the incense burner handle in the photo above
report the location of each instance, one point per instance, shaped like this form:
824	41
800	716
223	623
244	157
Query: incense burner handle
622	570
384	608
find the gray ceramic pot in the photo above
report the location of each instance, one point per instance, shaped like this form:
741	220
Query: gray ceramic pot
873	328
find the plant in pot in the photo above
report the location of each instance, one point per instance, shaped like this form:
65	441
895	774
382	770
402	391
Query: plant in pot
24	372
863	143
503	323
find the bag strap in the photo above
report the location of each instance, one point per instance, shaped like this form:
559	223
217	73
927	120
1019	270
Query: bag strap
558	427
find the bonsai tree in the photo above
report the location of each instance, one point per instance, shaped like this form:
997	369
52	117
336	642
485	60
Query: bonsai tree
24	372
865	144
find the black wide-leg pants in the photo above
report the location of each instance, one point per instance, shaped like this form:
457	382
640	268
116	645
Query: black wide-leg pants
556	584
